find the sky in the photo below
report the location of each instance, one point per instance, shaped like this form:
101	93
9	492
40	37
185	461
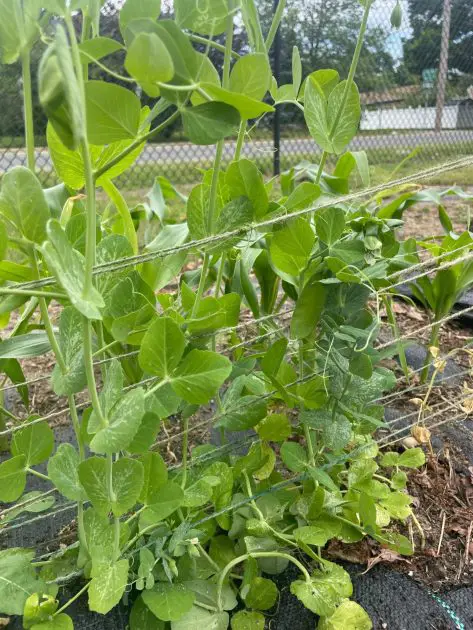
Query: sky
381	16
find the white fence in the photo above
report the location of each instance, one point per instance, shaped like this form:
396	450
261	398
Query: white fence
408	118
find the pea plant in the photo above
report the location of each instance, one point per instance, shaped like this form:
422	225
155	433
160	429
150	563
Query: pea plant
196	543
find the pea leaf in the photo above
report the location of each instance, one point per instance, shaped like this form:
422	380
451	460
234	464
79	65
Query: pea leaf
133	10
209	122
348	616
166	500
67	265
251	76
361	365
245	180
59	622
35	442
168	602
155	476
262	594
162	347
122	424
22	202
63	472
247	107
141	617
146	434
205	19
127	481
100	539
291	246
411	458
274	428
149	62
107	586
12	479
325	591
113	113
18	579
329	224
25	346
309	308
199	376
294	456
319	532
197	618
246	620
98	47
70	340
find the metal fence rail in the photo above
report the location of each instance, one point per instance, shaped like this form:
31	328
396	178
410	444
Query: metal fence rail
407	103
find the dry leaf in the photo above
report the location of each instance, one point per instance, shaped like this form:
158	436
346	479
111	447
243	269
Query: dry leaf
386	555
410	442
418	402
421	434
467	406
434	351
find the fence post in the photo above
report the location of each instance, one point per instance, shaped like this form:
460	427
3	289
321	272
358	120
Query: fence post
277	119
443	67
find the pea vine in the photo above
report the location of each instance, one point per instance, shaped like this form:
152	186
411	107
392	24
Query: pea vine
194	544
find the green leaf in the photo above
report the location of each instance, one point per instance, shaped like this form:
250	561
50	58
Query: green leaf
162	347
251	76
11	27
35	442
200	375
17	579
319	532
166	500
245	180
113	113
262	594
411	458
208	18
127	481
122	424
347	126
329	224
68	266
22	202
3	240
149	62
107	587
58	622
294	456
213	313
348	616
274	428
291	246
209	122
25	346
12	368
155	477
206	593
112	248
302	196
246	620
12	480
197	618
98	48
70	340
325	591
63	472
398	505
296	70
169	602
247	107
360	365
100	538
309	308
133	10
141	617
146	434
274	356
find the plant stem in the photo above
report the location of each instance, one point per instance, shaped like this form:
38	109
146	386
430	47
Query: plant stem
185	446
323	160
33	292
387	301
200	288
134	145
220	275
275	24
240	139
38	474
433	342
72	600
210	42
256	554
28	108
353	67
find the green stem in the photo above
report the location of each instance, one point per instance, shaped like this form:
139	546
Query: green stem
72	600
8	414
240	139
28	108
200	288
89	371
220	275
387	301
36	473
47	295
210	42
208	558
433	342
256	554
185	446
134	145
275	24
323	161
353	67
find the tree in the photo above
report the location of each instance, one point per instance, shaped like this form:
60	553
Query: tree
422	50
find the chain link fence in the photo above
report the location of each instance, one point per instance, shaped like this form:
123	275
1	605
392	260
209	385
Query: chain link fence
410	109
